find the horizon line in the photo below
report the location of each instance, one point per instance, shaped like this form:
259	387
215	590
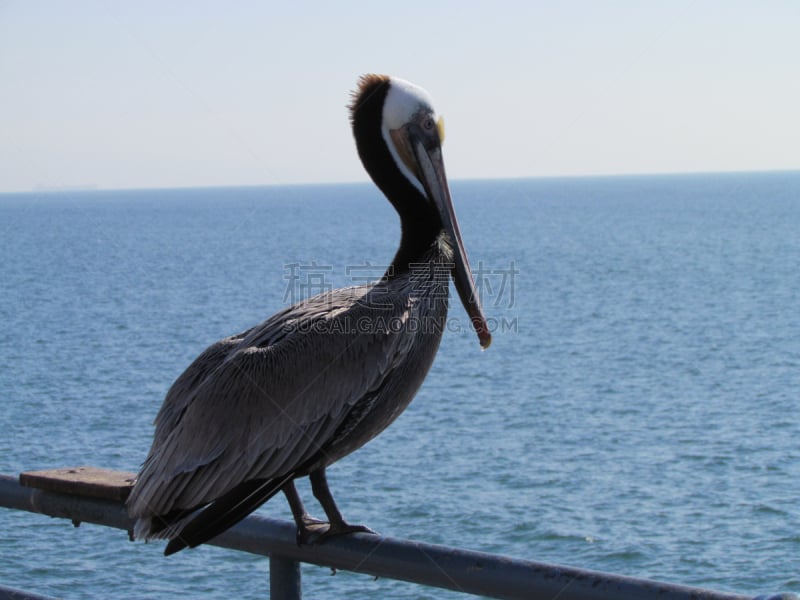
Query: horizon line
92	187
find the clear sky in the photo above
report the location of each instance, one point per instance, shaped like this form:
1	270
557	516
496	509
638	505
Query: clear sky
163	94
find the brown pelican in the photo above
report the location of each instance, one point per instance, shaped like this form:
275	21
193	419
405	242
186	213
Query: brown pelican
321	378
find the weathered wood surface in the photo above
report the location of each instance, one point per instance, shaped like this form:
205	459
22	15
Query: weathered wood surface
90	482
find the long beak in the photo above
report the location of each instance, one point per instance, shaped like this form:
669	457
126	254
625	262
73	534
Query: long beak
433	178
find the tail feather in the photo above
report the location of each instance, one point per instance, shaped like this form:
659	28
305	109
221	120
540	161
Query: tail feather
225	512
160	527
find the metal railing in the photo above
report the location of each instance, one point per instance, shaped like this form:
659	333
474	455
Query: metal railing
490	575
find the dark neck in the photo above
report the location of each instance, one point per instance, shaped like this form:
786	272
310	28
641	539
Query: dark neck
420	224
418	234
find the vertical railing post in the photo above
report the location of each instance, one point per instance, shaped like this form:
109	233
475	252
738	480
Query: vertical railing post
284	578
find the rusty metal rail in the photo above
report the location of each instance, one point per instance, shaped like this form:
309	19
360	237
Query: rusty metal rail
456	569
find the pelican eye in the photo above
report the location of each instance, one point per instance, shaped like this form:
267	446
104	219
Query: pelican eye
429	126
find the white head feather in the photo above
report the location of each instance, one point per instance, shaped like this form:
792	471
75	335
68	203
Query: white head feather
404	101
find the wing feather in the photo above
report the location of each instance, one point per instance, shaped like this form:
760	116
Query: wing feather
260	404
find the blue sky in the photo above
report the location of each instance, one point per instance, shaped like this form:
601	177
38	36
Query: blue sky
152	94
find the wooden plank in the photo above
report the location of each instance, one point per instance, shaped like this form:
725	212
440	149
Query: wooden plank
91	482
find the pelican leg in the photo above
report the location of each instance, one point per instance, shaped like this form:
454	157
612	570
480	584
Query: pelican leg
309	529
338	526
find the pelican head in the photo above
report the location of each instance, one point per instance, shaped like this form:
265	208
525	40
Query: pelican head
399	137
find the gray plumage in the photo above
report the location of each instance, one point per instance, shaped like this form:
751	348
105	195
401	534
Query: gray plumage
315	381
321	378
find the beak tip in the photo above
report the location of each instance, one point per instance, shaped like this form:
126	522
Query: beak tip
484	338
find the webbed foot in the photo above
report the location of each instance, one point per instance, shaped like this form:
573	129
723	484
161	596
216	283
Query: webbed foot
344	527
309	530
315	531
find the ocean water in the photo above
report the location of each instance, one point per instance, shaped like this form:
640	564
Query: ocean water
637	411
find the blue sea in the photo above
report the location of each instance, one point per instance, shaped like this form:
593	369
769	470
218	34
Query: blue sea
636	413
